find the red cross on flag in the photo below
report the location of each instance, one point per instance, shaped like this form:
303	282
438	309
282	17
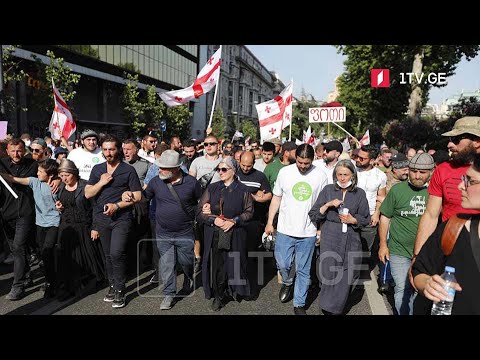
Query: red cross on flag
275	115
365	140
61	123
205	81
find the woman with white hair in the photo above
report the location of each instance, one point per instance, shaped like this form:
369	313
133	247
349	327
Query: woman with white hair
342	207
224	208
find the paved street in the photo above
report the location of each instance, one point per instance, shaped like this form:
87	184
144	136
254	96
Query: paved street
144	298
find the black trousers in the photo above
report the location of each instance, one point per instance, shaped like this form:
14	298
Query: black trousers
17	231
217	270
114	237
46	240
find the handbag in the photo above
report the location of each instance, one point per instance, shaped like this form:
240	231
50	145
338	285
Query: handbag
206	179
224	239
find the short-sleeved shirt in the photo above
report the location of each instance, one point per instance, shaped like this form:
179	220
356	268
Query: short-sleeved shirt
170	217
141	167
85	160
271	171
371	181
202	166
444	184
404	205
125	178
299	192
254	181
46	213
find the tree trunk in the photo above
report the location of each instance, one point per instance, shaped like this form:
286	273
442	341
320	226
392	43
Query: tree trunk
415	104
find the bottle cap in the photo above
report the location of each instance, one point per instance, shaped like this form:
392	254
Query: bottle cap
449	269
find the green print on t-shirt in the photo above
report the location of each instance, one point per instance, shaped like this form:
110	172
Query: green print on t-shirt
95	160
302	191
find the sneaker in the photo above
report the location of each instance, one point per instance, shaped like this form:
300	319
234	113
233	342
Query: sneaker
110	296
9	259
119	300
15	294
217	304
167	303
197	269
300	310
155	279
33	260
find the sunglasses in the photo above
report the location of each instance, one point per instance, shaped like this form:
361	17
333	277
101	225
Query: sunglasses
36	150
458	138
469	182
211	144
362	158
223	170
152	141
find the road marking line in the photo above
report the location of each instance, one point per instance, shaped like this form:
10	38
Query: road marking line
377	305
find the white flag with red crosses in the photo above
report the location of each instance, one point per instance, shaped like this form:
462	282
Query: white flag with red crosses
365	140
275	115
205	81
61	123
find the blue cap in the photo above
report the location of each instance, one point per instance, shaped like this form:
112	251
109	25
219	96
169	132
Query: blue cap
449	269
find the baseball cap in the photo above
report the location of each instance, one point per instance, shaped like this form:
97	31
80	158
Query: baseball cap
422	161
399	161
276	141
333	145
467	124
40	142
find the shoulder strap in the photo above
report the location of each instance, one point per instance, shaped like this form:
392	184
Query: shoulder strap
475	241
451	232
175	195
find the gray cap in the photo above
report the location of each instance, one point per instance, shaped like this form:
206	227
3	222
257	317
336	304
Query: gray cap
169	159
276	141
422	161
88	133
399	161
40	142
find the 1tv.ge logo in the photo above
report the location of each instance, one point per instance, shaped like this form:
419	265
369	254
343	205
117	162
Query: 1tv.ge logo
380	78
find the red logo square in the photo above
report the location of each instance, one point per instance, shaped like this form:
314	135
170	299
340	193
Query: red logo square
380	78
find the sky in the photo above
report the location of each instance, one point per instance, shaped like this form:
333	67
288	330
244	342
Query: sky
314	68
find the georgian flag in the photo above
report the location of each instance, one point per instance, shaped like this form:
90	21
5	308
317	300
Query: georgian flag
61	123
275	115
365	140
205	81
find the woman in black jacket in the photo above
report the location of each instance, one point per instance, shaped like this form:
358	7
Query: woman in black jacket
80	255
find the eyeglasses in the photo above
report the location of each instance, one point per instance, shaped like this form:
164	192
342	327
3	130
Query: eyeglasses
458	138
36	150
467	181
152	141
224	170
210	144
362	158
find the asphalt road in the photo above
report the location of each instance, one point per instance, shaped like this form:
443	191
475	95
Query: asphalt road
144	298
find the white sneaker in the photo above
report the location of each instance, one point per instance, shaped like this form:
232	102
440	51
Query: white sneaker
167	303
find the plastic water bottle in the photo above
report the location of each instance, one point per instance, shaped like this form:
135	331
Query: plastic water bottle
344	211
445	307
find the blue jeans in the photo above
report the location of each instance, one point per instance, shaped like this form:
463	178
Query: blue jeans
171	248
286	247
404	292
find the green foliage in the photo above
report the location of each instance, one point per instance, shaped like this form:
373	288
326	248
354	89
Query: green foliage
250	129
133	108
11	72
466	107
154	108
219	127
129	67
367	106
84	50
178	122
65	81
408	132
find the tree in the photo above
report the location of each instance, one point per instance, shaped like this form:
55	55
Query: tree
133	108
154	108
12	72
219	128
368	106
249	129
178	122
466	107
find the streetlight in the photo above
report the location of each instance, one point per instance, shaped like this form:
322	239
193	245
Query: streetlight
237	123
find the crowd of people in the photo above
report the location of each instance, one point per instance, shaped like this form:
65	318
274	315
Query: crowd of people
102	209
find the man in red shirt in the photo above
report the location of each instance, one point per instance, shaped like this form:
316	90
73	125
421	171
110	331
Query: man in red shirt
444	196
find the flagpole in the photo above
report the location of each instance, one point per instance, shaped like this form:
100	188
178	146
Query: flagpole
8	187
291	120
358	142
215	94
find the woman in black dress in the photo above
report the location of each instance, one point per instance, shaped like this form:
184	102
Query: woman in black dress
224	209
80	255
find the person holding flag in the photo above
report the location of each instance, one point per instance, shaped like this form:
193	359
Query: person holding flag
61	123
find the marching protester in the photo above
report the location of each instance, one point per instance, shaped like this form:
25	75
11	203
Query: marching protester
113	217
296	189
87	156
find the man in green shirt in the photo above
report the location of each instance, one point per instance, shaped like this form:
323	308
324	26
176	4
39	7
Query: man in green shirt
400	215
287	157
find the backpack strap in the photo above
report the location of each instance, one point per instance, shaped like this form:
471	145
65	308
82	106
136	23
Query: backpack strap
451	232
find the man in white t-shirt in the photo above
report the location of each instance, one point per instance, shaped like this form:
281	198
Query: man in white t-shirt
331	151
295	191
374	182
86	157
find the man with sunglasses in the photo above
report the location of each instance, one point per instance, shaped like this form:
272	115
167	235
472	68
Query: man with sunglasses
331	151
444	196
37	148
203	166
149	144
